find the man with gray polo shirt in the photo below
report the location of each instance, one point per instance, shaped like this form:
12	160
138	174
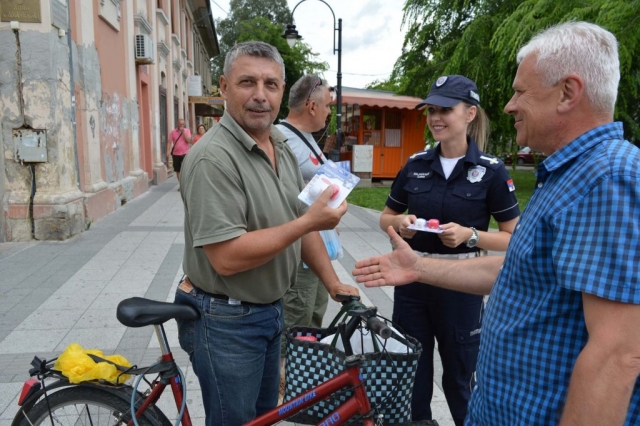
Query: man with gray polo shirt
245	232
309	106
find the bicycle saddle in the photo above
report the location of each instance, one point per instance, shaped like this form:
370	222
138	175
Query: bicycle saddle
140	312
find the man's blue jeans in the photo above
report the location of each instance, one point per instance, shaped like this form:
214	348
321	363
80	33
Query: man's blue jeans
235	352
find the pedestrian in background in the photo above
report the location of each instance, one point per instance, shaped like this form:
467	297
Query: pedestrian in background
201	130
178	145
245	233
309	106
462	187
560	340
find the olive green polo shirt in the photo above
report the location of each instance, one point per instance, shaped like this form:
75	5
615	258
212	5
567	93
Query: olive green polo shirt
229	188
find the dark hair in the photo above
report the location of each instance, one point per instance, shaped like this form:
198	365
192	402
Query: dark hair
201	125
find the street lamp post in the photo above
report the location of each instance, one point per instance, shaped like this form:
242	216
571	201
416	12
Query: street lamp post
292	36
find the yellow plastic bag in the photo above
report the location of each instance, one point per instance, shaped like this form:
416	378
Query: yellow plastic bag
76	364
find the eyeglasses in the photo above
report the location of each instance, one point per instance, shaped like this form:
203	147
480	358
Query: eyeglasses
318	83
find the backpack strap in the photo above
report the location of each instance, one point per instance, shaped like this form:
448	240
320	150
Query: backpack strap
305	140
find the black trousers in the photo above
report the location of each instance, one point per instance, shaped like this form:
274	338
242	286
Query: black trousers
453	319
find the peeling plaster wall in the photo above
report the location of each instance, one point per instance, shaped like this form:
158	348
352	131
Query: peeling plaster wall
88	96
119	116
46	93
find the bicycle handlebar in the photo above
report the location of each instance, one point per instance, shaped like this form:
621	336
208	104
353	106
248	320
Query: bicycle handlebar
378	327
360	311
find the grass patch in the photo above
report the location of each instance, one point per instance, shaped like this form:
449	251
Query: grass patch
375	198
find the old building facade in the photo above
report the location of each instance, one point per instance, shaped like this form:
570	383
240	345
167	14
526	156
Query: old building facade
89	90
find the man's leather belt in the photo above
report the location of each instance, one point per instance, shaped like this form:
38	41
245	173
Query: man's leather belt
229	300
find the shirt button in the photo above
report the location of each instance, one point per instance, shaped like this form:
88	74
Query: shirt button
540	185
415	189
468	194
518	227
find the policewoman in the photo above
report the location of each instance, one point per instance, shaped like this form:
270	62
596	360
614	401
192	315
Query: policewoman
462	187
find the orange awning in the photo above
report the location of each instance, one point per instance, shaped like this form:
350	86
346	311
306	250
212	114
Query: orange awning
375	98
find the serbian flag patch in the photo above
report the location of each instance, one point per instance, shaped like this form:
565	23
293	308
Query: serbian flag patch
510	185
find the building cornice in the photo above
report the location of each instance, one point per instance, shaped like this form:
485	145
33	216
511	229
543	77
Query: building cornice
142	23
163	49
160	14
176	39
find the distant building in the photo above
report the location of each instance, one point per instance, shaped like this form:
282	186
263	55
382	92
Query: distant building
387	122
78	145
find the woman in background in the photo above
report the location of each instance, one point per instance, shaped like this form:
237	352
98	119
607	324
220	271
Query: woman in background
200	132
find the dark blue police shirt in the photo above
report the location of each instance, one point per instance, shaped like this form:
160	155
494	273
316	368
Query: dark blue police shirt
479	187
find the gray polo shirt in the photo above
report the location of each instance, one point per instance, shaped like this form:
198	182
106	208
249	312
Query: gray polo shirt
229	188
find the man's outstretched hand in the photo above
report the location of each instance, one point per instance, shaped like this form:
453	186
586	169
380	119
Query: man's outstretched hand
396	268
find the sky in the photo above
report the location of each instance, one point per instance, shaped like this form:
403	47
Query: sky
372	35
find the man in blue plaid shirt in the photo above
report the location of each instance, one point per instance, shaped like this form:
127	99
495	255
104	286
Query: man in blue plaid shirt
561	337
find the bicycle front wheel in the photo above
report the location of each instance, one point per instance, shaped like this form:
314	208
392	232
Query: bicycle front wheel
79	406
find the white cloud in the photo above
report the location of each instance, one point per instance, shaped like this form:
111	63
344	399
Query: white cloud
371	35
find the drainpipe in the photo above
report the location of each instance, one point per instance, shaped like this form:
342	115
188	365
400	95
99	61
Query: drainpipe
32	166
72	85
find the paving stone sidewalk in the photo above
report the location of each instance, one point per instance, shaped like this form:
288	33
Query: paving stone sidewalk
56	293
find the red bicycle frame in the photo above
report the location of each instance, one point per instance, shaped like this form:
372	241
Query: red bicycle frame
158	387
358	404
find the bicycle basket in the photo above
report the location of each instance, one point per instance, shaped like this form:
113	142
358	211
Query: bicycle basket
388	376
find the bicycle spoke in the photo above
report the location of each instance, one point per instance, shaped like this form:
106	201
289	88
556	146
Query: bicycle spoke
86	415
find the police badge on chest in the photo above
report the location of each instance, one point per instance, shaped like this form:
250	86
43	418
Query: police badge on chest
476	173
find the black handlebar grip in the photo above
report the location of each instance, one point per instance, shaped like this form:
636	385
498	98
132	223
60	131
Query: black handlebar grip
379	327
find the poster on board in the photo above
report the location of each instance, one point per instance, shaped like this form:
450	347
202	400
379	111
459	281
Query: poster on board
363	158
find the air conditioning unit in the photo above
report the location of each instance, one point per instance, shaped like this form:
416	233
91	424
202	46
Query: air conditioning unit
144	49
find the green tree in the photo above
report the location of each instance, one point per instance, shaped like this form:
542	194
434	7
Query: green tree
276	11
480	39
386	85
265	20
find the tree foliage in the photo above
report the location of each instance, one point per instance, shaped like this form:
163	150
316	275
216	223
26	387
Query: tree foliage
242	11
265	20
480	39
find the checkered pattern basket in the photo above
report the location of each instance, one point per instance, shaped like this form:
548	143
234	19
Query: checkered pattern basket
388	376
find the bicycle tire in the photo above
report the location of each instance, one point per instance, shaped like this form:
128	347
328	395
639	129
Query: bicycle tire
91	406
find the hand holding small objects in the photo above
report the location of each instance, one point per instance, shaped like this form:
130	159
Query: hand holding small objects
406	221
321	215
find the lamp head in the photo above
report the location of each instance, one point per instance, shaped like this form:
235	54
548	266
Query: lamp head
291	34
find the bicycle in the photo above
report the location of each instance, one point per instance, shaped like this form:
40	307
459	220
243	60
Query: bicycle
103	403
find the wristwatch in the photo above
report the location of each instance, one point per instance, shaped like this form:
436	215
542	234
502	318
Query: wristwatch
471	242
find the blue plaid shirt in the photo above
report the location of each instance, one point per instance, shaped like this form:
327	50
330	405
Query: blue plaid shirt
578	234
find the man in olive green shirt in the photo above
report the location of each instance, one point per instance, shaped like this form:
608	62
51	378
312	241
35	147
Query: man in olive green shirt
245	232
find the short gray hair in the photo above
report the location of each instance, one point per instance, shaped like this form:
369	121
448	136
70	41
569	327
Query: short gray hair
585	49
302	88
257	49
